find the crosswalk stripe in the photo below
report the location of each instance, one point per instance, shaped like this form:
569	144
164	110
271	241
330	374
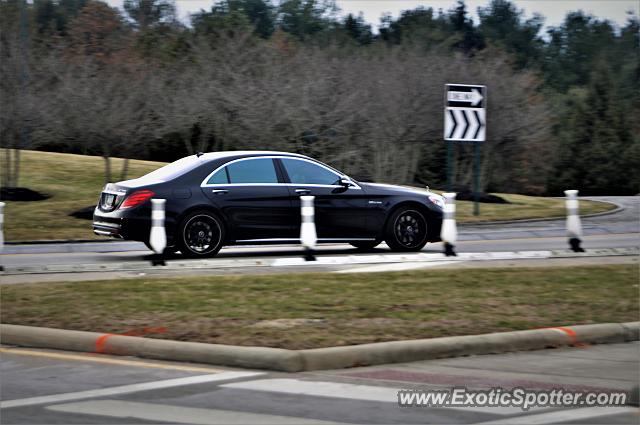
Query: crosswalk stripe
348	391
177	414
126	389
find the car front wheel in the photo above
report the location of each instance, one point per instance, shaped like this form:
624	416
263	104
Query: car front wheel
406	230
201	234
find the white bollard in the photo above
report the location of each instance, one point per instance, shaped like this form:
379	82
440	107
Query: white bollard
308	235
158	236
574	226
1	231
449	232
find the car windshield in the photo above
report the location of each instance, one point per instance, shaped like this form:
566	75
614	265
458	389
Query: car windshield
173	170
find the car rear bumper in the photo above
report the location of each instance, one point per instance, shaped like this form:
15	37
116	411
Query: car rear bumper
115	225
107	229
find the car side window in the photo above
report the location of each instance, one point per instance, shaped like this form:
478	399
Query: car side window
304	172
220	177
259	170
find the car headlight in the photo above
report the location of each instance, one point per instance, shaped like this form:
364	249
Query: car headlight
437	199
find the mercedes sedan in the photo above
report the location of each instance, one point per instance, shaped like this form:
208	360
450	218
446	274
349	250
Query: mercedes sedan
253	197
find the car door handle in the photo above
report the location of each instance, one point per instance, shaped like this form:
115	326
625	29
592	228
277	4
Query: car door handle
219	191
303	191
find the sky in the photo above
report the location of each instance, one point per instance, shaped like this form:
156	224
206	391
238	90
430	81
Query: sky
553	10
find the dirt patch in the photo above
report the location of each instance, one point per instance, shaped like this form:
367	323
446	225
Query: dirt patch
85	213
466	194
21	194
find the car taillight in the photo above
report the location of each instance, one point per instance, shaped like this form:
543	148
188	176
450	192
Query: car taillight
137	198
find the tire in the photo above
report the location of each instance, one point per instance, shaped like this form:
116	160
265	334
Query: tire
365	245
406	230
200	235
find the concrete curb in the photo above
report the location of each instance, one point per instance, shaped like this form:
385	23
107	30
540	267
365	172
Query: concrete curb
319	358
93	342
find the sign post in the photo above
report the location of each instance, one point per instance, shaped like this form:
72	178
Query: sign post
465	121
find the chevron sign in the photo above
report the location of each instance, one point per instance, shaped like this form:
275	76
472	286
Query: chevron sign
465	114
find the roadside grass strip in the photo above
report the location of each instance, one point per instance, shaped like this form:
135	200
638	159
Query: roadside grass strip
299	311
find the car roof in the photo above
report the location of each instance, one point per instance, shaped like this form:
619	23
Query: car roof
209	156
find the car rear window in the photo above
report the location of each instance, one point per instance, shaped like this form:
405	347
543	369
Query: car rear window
220	177
173	170
258	170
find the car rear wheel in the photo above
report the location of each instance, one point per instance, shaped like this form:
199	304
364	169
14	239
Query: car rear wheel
406	230
201	234
365	245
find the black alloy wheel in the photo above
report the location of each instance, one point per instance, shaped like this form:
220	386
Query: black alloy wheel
201	235
406	230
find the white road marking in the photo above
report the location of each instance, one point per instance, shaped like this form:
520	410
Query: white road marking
421	257
125	389
393	267
176	414
348	391
562	416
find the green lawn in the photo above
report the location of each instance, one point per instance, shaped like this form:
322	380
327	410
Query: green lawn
316	310
75	182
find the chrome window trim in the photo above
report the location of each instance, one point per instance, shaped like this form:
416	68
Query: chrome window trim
204	183
115	192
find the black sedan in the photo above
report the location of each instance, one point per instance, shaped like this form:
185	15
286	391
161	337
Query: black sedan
249	197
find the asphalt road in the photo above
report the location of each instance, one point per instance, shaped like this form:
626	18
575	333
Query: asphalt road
619	230
45	387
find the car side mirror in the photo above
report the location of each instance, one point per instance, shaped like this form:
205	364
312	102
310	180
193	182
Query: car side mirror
345	182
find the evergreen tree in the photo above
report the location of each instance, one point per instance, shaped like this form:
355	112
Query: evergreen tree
358	29
150	13
224	19
261	16
503	24
472	39
598	154
305	18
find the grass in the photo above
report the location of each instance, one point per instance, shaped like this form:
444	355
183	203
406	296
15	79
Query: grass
317	310
75	181
524	207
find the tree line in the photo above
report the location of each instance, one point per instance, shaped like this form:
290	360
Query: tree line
563	107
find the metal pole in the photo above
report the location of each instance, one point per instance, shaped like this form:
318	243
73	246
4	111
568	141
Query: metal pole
476	178
1	231
449	165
